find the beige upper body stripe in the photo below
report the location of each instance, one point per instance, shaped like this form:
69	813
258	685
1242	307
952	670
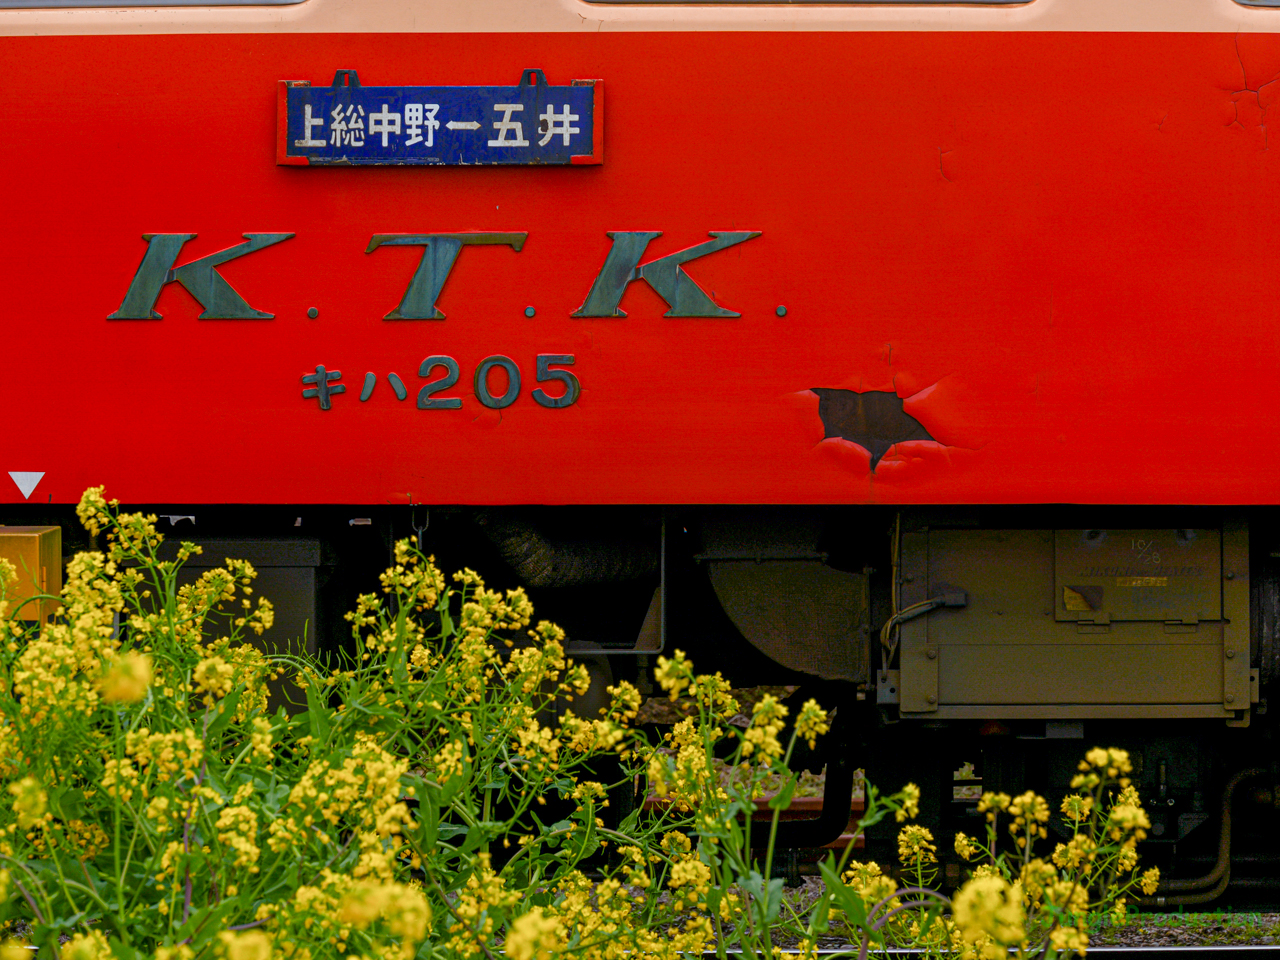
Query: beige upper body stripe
576	16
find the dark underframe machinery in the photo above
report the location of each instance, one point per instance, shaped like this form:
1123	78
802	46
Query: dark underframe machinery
1011	639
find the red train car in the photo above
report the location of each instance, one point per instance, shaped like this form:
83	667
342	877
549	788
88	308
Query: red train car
761	329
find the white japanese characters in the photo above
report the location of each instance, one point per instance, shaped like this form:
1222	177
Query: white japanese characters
416	117
384	122
418	124
507	125
347	129
555	126
308	122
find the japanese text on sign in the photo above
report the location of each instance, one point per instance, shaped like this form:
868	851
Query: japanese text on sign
531	123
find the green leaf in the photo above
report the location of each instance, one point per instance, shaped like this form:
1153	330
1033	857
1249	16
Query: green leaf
819	919
69	803
934	912
773	903
714	895
318	712
849	902
450	830
480	834
782	799
122	951
226	712
429	819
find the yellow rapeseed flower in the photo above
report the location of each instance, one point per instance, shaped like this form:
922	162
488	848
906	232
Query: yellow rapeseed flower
126	679
213	675
674	674
8	575
1150	881
30	802
910	804
811	723
245	945
967	848
915	845
533	936
990	908
87	946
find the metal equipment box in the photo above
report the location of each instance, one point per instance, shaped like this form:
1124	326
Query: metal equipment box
36	552
1064	624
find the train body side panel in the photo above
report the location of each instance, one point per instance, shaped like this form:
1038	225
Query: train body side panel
1047	253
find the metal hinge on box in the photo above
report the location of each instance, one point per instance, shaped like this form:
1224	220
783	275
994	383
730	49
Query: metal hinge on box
1098	622
888	687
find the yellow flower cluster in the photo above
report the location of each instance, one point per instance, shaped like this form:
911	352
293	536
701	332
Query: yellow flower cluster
1101	763
1076	854
683	770
967	848
245	945
260	739
604	921
423	584
987	912
213	676
376	919
767	719
1030	813
533	936
126	679
87	946
910	807
30	802
674	674
915	845
811	723
360	793
237	828
871	884
713	695
166	756
1150	881
485	611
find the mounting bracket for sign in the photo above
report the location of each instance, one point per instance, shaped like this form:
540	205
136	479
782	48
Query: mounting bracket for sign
530	124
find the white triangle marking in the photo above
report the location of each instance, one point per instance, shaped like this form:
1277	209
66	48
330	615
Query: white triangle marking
26	481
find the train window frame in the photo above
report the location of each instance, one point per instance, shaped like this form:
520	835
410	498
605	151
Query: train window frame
87	4
836	3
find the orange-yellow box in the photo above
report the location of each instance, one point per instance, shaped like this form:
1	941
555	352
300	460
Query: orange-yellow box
36	552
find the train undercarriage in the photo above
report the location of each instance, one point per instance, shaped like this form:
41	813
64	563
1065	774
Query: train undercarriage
965	649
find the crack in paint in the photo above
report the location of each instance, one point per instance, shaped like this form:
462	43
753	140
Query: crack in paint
1257	95
942	153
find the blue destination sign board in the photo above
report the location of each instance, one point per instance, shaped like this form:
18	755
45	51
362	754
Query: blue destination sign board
531	123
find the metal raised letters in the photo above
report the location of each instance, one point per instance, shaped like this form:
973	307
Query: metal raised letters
326	385
440	250
665	275
530	123
439	253
199	277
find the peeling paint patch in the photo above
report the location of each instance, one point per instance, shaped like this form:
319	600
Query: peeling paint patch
875	420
